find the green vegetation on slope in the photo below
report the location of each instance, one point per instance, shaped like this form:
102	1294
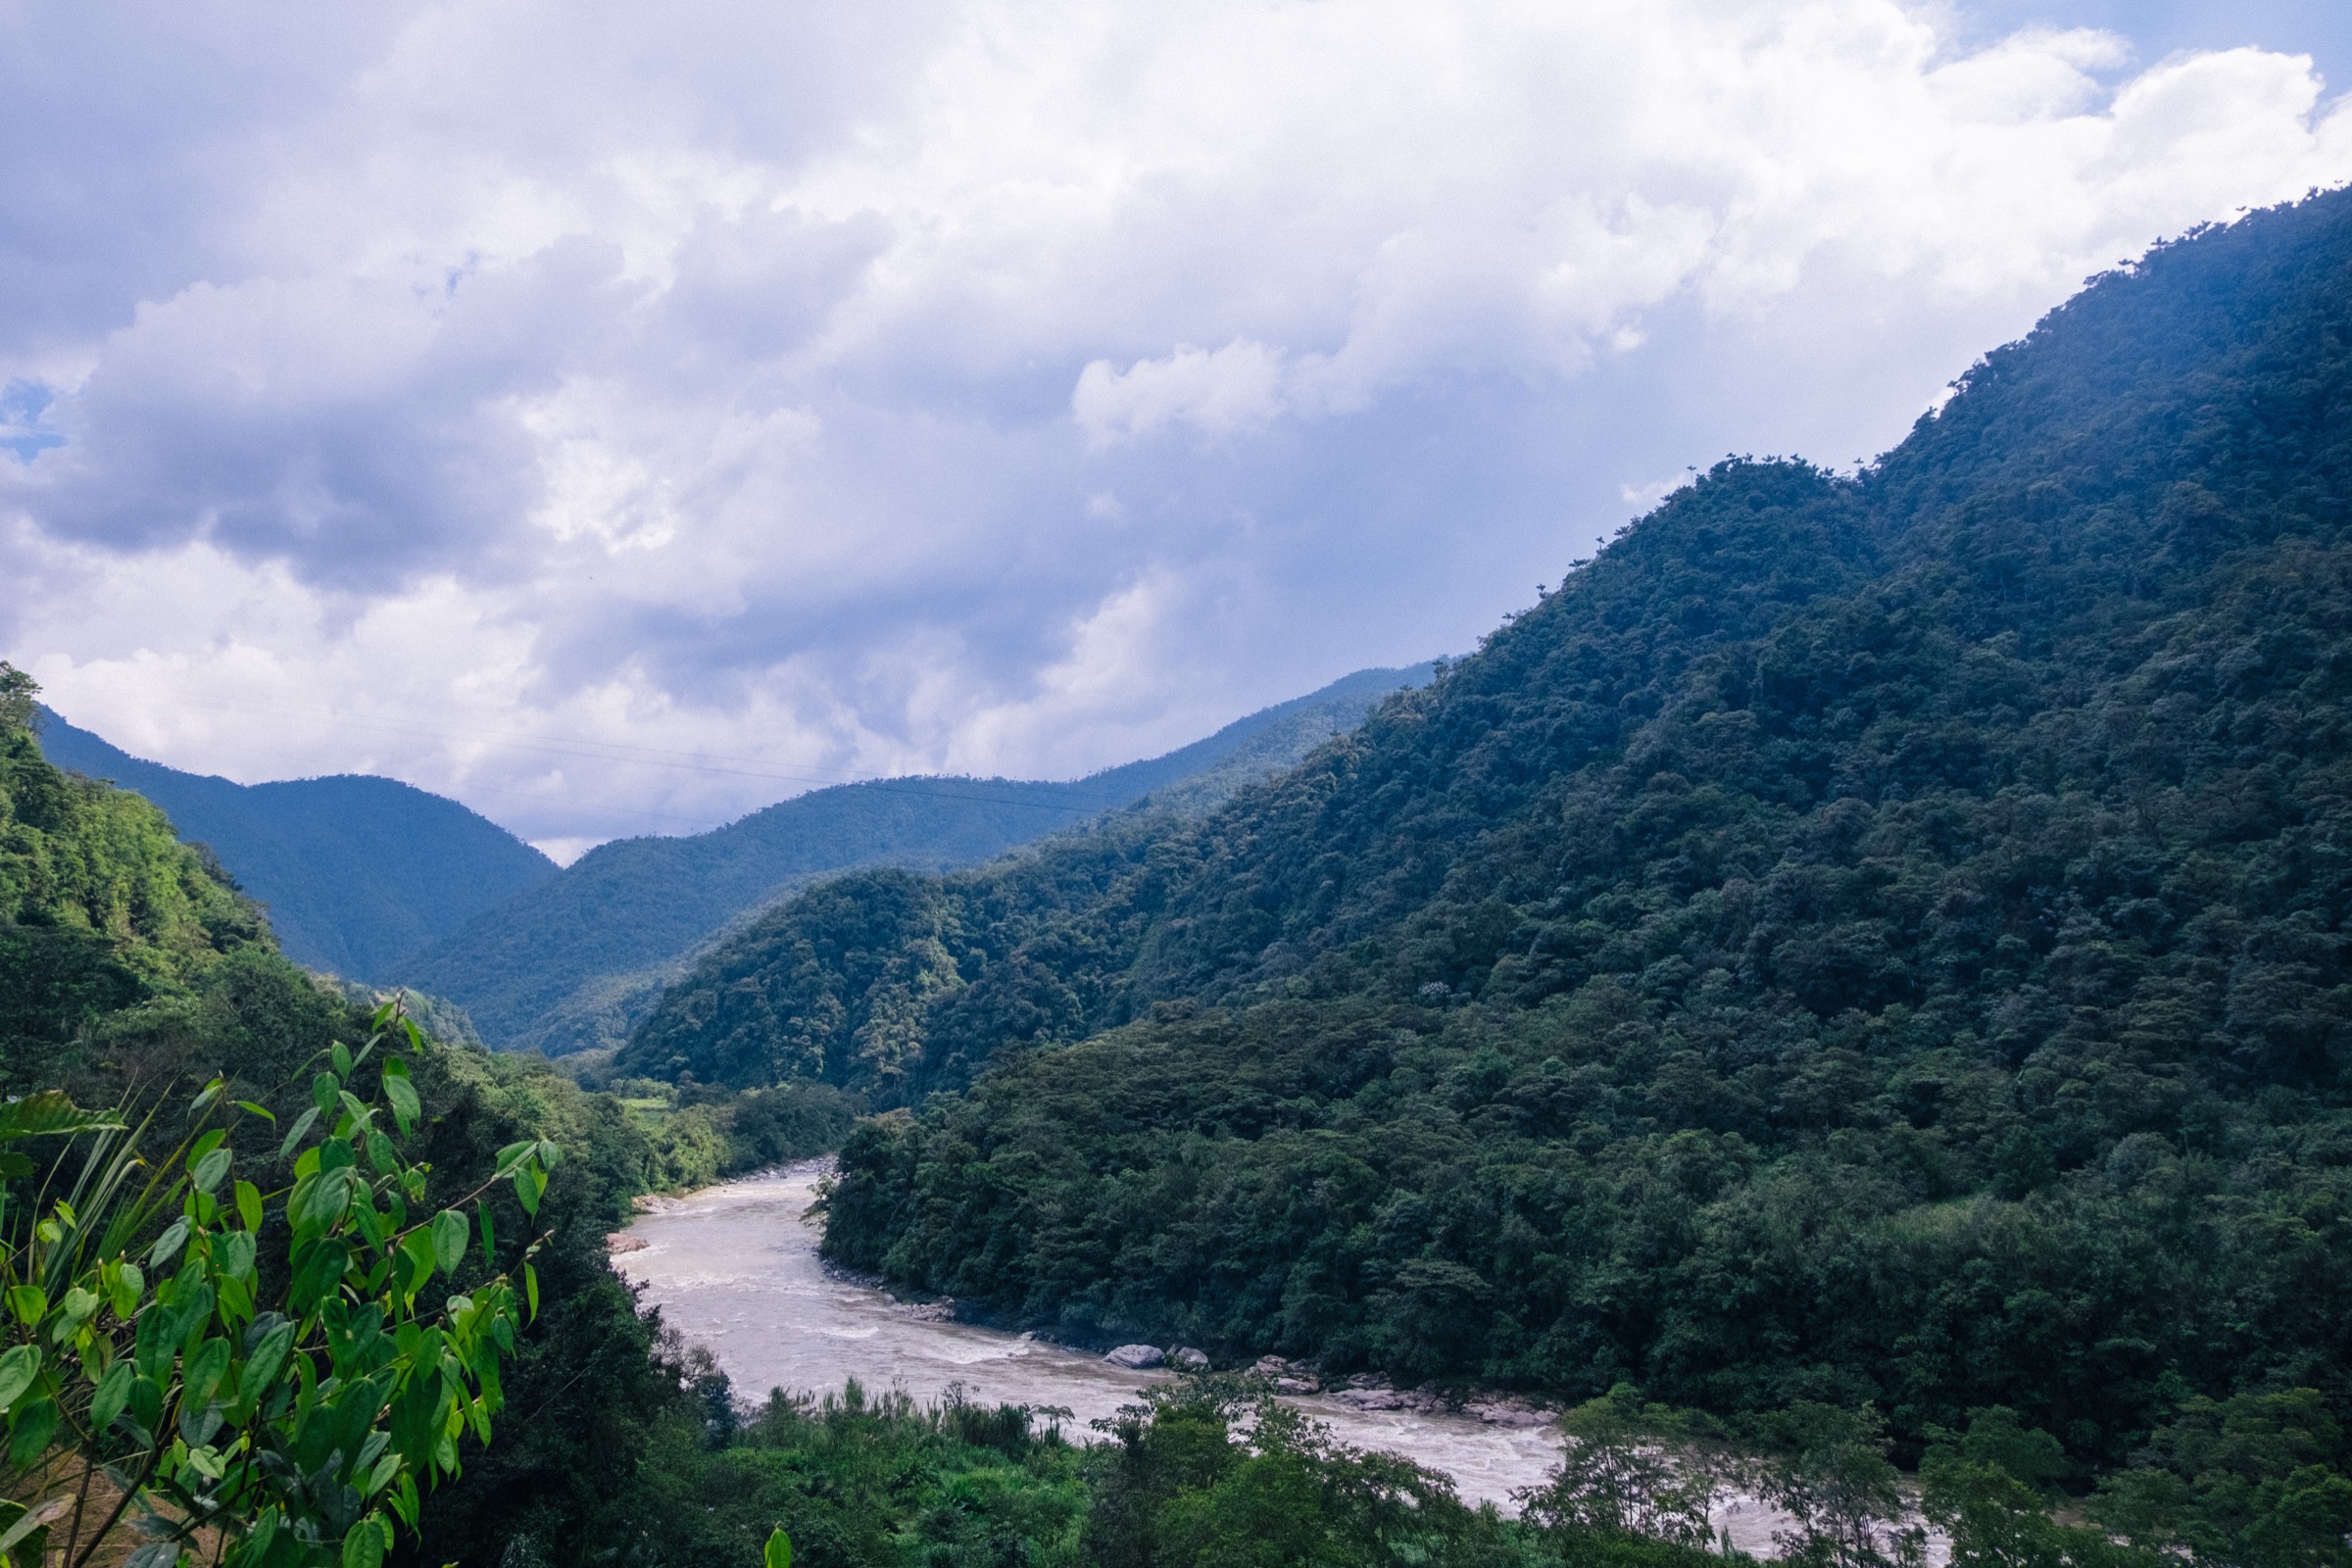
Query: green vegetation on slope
130	971
613	1443
577	962
1206	1472
356	872
1860	939
100	905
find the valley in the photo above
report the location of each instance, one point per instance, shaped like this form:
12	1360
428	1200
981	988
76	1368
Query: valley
1845	1002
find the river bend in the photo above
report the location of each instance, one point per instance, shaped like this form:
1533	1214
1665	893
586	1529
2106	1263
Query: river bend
735	1268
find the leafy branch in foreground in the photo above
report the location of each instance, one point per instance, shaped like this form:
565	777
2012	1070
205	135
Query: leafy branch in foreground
163	1377
1628	1468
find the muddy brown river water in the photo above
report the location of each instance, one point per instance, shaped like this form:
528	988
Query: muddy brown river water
734	1267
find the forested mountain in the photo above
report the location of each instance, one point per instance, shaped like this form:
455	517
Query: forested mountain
101	906
356	870
131	973
1875	938
577	961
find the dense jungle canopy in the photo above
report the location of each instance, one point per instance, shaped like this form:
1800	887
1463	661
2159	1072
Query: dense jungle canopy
1862	962
1860	938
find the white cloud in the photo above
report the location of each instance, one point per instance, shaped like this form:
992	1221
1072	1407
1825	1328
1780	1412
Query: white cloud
1236	389
622	418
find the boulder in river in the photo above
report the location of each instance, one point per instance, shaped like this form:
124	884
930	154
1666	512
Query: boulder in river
1136	1358
1370	1399
1506	1410
1188	1359
1289	1377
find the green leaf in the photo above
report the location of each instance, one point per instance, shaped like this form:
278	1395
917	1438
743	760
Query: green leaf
401	1092
203	1373
340	1054
166	1245
405	1501
417	1248
249	1205
30	1301
146	1401
256	1544
777	1553
323	1202
29	1520
35	1423
263	1111
489	1238
326	1091
530	1289
17	1368
364	1544
302	1124
449	1240
528	1185
131	1283
113	1394
266	1357
209	1169
50	1112
320	1271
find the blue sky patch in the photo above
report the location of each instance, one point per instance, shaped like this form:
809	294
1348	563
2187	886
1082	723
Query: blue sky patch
23	405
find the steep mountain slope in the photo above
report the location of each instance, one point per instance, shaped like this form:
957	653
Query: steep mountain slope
100	905
131	973
577	962
1875	938
356	870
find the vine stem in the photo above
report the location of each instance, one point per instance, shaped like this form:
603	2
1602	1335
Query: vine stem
154	1459
82	1496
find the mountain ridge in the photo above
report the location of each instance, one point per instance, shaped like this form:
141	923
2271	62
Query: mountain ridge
355	869
576	963
1863	938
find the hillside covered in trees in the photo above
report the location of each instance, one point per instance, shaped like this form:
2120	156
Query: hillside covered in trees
575	962
132	974
1873	938
356	870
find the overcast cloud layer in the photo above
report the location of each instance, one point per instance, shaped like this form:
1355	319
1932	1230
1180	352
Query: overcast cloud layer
621	416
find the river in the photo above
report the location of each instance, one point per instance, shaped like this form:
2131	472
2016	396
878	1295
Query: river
734	1267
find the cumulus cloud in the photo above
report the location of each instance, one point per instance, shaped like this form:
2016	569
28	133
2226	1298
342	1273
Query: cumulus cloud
622	418
1235	389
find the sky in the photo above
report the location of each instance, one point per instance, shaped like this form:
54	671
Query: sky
620	418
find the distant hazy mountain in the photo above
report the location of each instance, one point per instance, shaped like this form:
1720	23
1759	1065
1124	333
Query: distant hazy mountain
578	960
355	870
